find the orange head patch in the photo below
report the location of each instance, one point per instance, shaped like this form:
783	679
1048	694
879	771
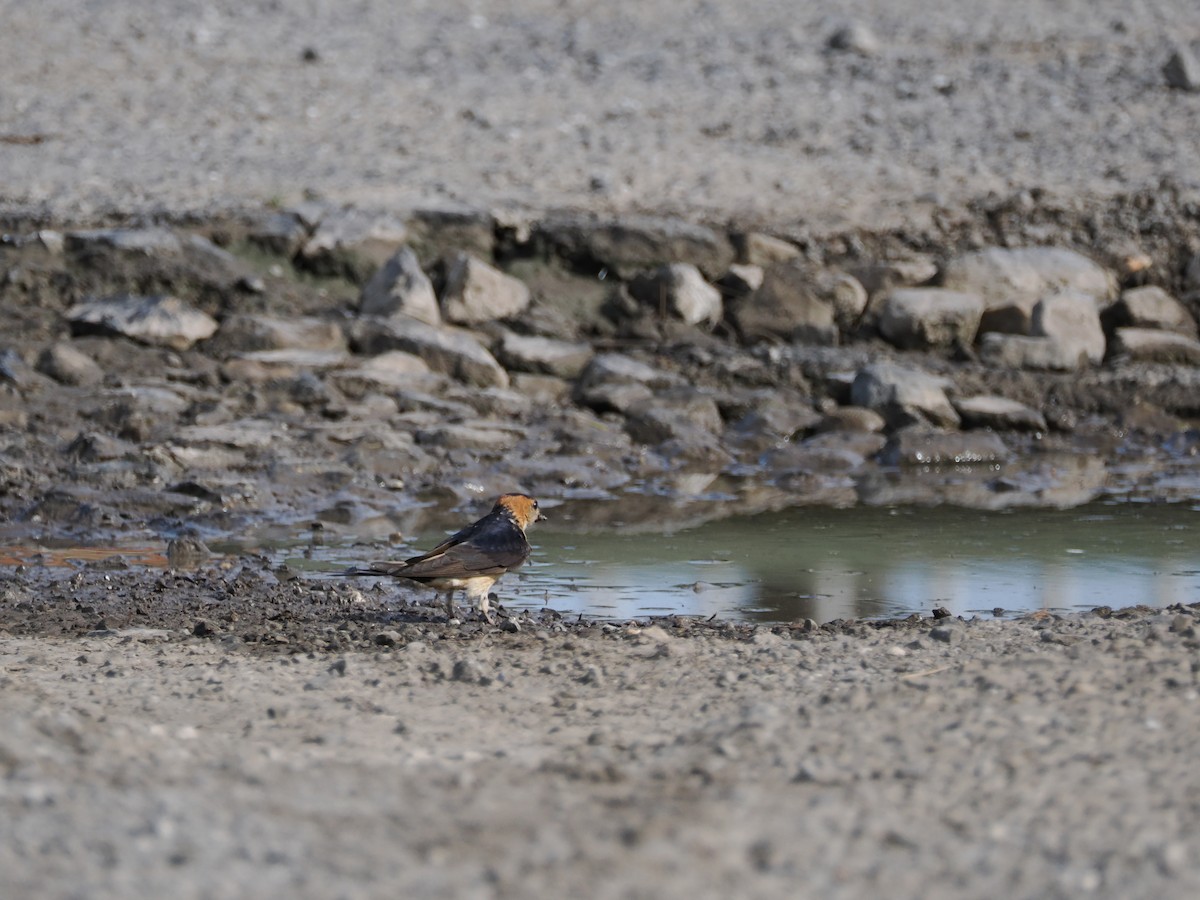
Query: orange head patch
522	507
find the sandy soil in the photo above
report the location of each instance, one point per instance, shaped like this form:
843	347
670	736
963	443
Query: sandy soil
1047	758
139	758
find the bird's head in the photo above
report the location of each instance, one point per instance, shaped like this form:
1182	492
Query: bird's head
521	507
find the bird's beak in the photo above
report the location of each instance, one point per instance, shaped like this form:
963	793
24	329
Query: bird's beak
542	517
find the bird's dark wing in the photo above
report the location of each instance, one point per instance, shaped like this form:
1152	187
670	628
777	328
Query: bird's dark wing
476	550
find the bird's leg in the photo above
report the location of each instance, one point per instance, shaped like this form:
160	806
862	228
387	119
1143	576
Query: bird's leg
450	604
485	609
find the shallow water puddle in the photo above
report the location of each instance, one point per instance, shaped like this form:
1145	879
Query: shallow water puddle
813	563
827	564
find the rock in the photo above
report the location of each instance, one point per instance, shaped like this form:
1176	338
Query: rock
673	413
926	318
631	244
884	276
524	353
612	381
741	280
852	419
1011	281
154	241
778	415
481	436
248	333
999	413
854	37
476	292
447	350
1071	320
679	289
15	371
1018	351
757	249
158	321
352	243
848	296
67	365
400	286
1149	307
788	305
919	446
1182	71
903	396
278	233
1154	345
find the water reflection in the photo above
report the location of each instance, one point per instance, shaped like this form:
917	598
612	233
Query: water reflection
825	564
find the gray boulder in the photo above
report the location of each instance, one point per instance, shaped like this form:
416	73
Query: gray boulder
788	305
998	413
682	290
1149	307
1018	351
352	243
1154	345
531	353
401	286
927	318
613	381
476	292
158	321
903	396
1072	321
449	351
1011	281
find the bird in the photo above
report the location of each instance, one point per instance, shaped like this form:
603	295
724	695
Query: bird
473	559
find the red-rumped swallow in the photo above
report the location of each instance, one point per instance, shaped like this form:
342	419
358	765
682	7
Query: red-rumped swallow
473	559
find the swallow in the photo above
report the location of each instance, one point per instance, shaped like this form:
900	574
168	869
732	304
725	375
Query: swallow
473	559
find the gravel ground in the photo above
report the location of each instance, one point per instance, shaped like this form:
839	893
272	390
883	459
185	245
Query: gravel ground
1037	758
711	110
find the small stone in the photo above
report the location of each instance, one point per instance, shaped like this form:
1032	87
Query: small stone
66	365
854	37
946	634
469	671
1182	71
388	639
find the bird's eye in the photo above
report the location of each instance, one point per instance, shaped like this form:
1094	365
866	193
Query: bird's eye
535	504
